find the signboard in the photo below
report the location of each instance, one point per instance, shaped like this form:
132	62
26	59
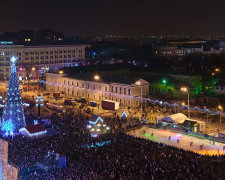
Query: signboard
6	42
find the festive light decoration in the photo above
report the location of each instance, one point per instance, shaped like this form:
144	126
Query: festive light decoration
8	127
13	115
161	103
33	134
96	144
124	114
95	122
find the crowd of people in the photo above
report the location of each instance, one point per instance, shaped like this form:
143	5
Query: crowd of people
125	157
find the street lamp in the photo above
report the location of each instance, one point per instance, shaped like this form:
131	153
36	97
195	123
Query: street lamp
221	109
185	89
97	78
164	82
61	72
139	84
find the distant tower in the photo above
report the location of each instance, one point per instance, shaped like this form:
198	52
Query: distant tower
13	115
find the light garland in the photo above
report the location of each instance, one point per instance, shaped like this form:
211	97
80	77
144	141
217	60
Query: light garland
13	113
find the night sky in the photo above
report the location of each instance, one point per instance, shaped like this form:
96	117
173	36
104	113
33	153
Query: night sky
134	17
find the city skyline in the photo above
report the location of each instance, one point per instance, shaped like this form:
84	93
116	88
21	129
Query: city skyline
125	17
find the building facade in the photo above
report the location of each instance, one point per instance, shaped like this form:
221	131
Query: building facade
38	59
126	94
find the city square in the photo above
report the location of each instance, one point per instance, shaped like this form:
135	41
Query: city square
113	90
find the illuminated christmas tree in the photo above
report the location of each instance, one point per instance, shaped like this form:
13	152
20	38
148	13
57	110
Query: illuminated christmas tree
13	115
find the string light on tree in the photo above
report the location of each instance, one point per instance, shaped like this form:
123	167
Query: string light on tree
13	114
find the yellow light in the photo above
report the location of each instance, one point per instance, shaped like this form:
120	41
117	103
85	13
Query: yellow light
33	68
217	70
213	74
220	108
184	89
60	72
138	82
96	77
183	103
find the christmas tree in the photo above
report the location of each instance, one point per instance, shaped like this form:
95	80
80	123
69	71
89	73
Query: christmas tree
13	115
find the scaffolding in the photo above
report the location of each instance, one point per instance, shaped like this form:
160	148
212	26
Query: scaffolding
7	171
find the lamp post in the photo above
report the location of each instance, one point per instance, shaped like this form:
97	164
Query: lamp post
97	78
184	89
221	109
139	83
164	82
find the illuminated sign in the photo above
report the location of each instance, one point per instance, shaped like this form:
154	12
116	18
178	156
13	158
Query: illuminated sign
6	42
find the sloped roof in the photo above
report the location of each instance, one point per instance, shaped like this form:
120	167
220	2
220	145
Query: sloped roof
35	128
179	118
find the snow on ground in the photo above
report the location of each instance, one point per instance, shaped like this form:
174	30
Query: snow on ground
202	146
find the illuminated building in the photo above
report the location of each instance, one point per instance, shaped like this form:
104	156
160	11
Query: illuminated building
34	59
120	89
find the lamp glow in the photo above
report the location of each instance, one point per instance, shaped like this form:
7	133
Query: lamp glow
13	59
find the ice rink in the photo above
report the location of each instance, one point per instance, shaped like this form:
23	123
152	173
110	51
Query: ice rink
202	146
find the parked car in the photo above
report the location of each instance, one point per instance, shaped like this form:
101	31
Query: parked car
46	94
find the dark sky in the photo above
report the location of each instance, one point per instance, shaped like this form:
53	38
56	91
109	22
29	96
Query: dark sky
114	16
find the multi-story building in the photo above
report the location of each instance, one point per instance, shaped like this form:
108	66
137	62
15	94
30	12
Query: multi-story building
39	58
176	51
125	90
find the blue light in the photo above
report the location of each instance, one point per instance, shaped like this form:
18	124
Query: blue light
98	119
96	144
35	122
7	127
124	114
13	59
13	114
94	53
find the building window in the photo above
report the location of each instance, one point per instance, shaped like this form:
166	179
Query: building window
125	91
116	89
77	84
129	92
112	88
120	90
88	86
82	85
105	88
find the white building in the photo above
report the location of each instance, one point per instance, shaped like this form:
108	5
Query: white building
39	58
126	91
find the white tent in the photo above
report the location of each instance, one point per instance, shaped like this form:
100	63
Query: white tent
178	118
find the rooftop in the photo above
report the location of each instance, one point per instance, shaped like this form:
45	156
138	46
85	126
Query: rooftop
105	79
